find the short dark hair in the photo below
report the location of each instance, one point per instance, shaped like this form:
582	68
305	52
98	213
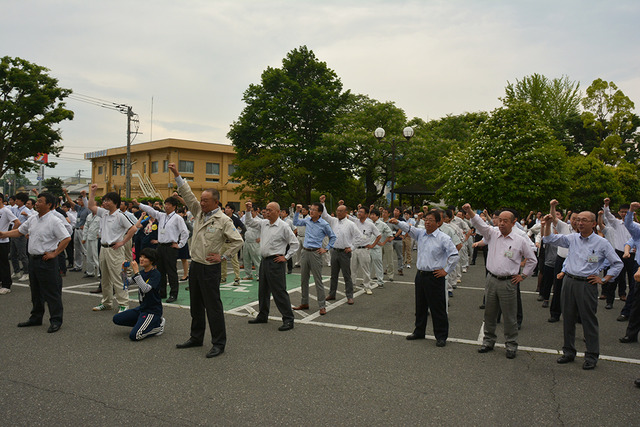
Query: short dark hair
230	206
408	211
435	214
624	206
67	205
319	206
23	197
366	209
150	254
448	213
375	212
172	201
113	196
49	199
2	197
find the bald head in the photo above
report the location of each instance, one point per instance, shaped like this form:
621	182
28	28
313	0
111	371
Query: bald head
341	212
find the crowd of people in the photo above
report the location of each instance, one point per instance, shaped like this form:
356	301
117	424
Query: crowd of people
136	244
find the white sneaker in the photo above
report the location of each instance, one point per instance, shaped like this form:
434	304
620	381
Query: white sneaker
408	265
368	291
458	281
464	270
24	278
101	307
4	291
122	308
161	328
16	275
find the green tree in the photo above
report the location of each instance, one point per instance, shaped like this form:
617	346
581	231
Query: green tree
590	182
513	161
30	107
609	115
555	102
53	186
358	153
278	137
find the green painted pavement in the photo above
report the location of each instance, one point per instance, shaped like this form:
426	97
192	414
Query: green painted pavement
232	296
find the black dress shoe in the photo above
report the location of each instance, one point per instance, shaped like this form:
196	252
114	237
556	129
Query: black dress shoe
55	327
511	354
627	339
29	323
215	351
96	291
564	359
485	349
257	320
189	343
608	306
414	336
637	382
172	299
441	343
481	307
553	320
286	326
545	304
622	318
588	365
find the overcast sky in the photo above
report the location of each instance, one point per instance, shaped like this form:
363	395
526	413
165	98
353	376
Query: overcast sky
196	58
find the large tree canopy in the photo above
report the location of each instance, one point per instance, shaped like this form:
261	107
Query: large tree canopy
278	136
30	107
513	161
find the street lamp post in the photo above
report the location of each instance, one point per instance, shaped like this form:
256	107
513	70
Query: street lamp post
379	134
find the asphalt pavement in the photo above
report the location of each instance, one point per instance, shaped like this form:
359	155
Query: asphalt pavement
352	366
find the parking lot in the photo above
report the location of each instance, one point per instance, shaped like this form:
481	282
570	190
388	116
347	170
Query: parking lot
352	366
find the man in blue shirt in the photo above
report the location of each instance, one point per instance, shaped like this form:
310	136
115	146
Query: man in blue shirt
437	257
587	254
312	250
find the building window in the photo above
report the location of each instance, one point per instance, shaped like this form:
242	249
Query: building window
99	170
185	166
232	169
213	168
115	165
165	166
154	167
144	168
213	179
122	168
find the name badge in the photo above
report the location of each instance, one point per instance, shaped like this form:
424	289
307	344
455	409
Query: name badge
210	228
593	258
508	254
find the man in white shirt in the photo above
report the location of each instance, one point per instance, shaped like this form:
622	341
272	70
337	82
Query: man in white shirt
620	237
386	236
116	230
19	244
275	237
506	251
251	247
47	239
368	238
172	235
7	219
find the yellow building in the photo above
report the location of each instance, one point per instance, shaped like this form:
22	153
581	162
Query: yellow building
203	164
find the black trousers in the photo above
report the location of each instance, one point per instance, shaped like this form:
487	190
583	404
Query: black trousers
5	271
167	266
46	286
555	309
548	277
431	296
272	279
632	294
626	274
204	297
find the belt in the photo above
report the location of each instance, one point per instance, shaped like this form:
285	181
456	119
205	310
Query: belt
272	256
581	279
104	245
500	277
166	244
36	256
424	272
361	247
310	249
340	249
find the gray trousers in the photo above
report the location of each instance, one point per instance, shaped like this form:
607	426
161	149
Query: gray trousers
361	260
376	265
92	264
78	249
251	257
311	263
501	295
340	260
388	260
397	247
580	298
19	254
